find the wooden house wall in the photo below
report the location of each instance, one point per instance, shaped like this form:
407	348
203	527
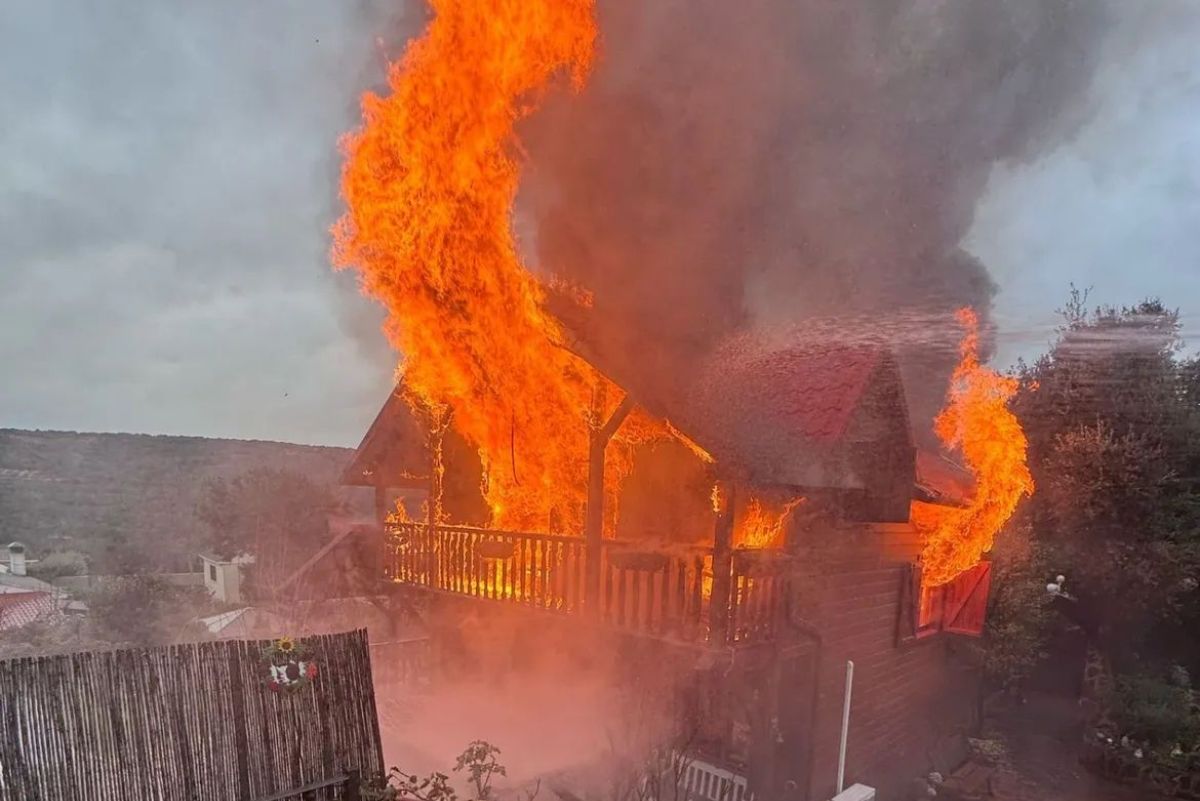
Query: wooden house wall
905	696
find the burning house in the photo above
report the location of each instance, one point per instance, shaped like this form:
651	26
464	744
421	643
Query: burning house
754	519
771	531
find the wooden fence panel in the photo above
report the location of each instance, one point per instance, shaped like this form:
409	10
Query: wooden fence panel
183	723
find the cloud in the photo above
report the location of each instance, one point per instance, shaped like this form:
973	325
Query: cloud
171	172
1115	207
165	206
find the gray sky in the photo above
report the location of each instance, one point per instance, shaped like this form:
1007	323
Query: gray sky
1117	208
171	176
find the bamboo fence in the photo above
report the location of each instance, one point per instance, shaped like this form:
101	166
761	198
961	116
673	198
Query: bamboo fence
188	722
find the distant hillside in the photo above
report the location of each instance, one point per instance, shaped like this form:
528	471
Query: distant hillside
88	490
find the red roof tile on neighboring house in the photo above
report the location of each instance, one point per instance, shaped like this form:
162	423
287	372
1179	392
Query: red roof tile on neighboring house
22	608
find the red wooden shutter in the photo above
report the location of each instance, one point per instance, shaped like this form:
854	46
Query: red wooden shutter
966	600
931	609
910	604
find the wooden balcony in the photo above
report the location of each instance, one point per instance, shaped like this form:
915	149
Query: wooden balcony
663	592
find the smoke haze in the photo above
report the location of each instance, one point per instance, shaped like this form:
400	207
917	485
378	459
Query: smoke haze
762	163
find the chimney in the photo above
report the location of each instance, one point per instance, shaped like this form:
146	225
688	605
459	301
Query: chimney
16	559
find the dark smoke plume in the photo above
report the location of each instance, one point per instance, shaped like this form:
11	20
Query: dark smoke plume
754	164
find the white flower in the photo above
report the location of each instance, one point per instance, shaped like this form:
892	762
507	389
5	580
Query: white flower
1138	753
1060	580
1053	588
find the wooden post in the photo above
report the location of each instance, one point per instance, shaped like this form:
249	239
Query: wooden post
433	506
722	564
599	435
381	510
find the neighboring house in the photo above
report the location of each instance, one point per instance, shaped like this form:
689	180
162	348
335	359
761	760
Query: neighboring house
24	600
247	623
826	428
223	577
15	560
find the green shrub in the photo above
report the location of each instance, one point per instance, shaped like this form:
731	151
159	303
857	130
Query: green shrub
1148	708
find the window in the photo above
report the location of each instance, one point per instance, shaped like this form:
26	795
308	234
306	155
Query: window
212	572
959	607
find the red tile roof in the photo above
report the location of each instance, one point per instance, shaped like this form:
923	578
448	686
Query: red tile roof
21	608
814	393
784	416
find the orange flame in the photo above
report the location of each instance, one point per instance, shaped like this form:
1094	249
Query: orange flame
977	420
429	182
762	524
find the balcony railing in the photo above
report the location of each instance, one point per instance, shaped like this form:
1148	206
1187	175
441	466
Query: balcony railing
664	592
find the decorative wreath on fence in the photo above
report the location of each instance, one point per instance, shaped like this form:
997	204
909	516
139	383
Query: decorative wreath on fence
288	665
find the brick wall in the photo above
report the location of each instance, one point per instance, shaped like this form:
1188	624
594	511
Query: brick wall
905	695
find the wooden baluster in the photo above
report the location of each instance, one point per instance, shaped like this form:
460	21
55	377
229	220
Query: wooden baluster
518	569
668	596
487	568
635	617
622	586
459	556
552	576
554	573
400	554
489	571
475	579
561	569
653	598
484	569
414	543
462	565
481	571
606	608
437	554
569	568
537	575
507	571
681	603
581	578
421	538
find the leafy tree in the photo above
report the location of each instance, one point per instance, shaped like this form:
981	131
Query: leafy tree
144	610
277	516
1113	422
1014	637
59	563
